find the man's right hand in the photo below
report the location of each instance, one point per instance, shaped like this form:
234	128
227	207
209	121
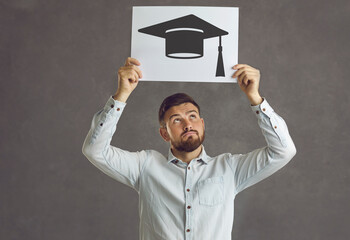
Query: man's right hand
128	78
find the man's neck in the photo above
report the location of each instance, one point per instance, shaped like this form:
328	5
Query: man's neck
186	156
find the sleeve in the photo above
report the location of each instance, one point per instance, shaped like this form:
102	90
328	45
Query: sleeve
259	164
125	167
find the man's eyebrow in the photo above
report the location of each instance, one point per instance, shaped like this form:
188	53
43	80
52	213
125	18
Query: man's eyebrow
191	111
176	114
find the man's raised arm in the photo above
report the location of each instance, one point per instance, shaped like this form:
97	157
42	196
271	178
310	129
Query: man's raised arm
257	165
126	167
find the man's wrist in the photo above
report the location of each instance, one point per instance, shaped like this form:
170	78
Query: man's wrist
120	96
255	99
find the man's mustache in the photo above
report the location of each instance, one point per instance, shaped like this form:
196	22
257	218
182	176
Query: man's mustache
195	131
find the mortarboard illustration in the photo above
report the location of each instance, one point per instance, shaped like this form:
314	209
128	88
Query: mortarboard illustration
184	38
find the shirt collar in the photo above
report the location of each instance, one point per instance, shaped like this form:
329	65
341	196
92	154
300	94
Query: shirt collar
202	156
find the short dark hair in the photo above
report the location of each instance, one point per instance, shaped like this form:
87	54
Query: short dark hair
174	100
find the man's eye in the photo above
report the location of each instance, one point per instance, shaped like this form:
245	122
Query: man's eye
193	116
176	120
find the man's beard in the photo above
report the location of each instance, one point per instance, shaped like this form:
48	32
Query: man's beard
190	144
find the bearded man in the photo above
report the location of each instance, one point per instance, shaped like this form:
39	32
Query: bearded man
187	195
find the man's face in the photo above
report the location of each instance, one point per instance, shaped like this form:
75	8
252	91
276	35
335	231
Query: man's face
184	127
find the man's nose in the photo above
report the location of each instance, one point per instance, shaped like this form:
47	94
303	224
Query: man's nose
187	125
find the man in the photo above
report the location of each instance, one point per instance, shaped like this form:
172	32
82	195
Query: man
188	195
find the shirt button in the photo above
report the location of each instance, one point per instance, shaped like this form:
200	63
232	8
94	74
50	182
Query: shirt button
188	207
257	112
176	161
275	126
264	109
188	190
112	106
188	230
188	168
101	124
118	109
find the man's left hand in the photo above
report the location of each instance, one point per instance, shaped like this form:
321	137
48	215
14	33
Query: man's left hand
248	79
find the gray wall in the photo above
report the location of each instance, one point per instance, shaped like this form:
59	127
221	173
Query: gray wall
58	67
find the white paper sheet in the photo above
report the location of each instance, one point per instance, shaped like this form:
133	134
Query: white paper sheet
150	50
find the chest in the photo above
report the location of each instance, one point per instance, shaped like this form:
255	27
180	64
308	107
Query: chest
176	184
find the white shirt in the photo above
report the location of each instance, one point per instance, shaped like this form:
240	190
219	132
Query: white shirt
192	201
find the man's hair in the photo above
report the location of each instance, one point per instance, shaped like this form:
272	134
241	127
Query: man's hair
174	100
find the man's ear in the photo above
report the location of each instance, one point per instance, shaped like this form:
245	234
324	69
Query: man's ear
203	123
164	133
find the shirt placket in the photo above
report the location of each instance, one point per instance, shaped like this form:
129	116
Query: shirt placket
188	201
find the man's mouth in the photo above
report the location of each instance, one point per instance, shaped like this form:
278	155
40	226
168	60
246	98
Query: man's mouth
189	133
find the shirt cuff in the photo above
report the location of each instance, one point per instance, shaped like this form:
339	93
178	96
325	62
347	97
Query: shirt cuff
262	108
114	105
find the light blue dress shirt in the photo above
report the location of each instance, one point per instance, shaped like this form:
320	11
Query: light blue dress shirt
192	201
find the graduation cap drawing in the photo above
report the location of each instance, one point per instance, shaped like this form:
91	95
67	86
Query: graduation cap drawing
184	38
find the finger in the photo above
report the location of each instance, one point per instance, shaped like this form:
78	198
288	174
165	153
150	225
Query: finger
132	61
135	77
127	74
239	82
240	71
138	71
240	78
250	74
247	71
131	77
238	66
245	80
127	77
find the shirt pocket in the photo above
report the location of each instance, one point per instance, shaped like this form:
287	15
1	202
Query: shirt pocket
211	191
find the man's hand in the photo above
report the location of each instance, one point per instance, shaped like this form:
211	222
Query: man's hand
248	79
128	78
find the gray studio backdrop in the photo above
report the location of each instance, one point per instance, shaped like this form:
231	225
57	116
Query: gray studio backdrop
58	67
